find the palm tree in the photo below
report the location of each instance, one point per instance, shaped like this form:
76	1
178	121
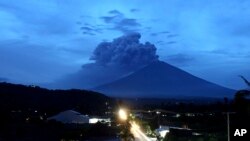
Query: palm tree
242	103
245	80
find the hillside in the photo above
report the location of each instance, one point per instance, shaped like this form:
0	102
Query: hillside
161	80
20	97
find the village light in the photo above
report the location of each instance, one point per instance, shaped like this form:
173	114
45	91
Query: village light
123	114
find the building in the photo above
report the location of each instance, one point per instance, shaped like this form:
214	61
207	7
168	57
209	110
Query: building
162	131
70	117
73	117
96	119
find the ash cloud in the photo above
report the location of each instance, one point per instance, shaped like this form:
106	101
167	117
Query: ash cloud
112	61
125	51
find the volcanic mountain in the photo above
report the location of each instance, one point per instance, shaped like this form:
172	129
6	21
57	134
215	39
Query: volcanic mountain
162	80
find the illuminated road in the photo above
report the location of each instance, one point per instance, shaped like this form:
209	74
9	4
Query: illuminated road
138	134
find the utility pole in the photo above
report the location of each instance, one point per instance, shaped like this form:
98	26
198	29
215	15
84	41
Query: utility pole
228	127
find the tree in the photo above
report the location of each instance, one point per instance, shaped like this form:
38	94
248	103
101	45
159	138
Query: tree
125	133
241	103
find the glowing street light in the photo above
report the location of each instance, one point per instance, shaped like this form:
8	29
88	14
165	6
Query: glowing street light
123	114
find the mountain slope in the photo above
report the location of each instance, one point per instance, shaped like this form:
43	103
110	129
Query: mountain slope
20	97
161	80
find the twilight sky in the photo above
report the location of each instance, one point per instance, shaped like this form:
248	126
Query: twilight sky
44	40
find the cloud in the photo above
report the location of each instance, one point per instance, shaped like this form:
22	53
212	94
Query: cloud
116	17
121	23
127	25
160	42
159	33
128	22
133	10
172	35
171	42
115	12
108	19
179	59
90	30
125	51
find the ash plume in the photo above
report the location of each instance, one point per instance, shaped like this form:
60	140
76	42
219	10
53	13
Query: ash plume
126	52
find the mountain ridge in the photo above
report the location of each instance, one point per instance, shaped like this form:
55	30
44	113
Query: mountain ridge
22	97
162	80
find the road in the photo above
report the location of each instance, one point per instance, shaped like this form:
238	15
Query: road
138	134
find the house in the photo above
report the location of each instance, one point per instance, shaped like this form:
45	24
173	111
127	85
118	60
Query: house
70	117
96	119
73	117
162	131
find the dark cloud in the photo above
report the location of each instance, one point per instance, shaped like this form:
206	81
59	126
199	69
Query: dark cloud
115	12
116	16
159	33
179	59
90	30
108	19
164	43
128	22
171	42
160	42
121	23
153	34
133	10
85	28
125	51
127	25
172	35
88	33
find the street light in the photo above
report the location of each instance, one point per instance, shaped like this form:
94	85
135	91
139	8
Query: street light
123	114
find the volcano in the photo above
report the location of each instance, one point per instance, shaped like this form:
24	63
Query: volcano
162	80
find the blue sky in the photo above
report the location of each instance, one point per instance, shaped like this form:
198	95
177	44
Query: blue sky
42	41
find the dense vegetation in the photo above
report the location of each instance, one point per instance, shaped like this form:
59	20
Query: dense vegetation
25	109
20	97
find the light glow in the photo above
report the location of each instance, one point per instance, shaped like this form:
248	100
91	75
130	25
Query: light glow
136	131
123	114
93	120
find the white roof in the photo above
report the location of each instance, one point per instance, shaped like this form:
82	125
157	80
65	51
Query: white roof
70	116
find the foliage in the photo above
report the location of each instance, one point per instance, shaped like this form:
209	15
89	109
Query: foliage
20	97
125	133
208	137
